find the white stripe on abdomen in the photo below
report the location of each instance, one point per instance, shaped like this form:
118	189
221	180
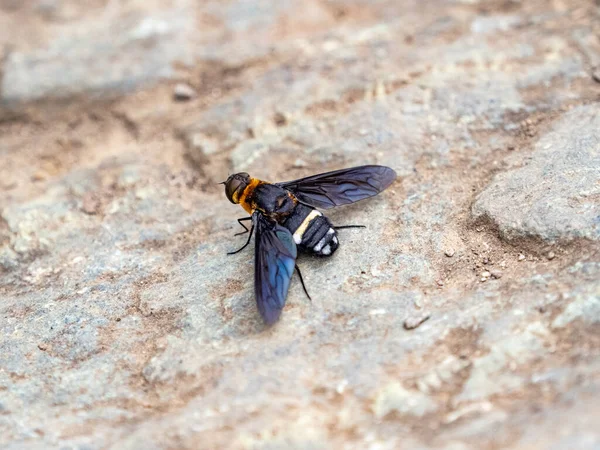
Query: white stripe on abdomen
304	225
321	243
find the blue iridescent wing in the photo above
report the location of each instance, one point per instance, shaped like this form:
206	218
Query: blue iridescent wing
341	187
275	258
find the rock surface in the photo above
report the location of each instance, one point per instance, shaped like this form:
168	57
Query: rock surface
555	195
113	50
123	324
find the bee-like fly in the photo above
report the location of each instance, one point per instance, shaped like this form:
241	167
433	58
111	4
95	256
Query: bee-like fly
286	220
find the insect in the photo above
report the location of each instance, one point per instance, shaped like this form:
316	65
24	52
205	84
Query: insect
286	220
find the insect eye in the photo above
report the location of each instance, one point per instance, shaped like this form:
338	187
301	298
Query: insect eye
235	185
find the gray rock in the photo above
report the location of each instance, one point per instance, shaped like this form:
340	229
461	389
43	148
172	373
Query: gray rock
443	374
124	324
555	195
584	307
183	92
395	398
416	320
494	23
108	54
508	350
9	259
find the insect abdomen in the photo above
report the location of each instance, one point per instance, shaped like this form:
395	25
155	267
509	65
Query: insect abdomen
312	231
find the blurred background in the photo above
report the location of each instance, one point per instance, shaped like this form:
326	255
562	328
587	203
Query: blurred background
466	315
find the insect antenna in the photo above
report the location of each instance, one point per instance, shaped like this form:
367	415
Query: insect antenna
224	182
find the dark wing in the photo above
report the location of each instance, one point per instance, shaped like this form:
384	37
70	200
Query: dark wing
274	259
341	187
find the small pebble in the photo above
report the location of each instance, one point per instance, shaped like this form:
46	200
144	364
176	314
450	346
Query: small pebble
8	185
90	203
77	260
299	163
486	274
521	257
414	321
42	346
440	282
483	279
183	92
449	253
280	119
496	274
38	176
341	386
550	255
376	272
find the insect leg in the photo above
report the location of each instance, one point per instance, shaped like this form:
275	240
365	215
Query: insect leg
349	226
302	281
246	244
244	226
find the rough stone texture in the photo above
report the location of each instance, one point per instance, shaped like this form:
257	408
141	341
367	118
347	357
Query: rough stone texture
111	51
123	324
396	399
555	195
